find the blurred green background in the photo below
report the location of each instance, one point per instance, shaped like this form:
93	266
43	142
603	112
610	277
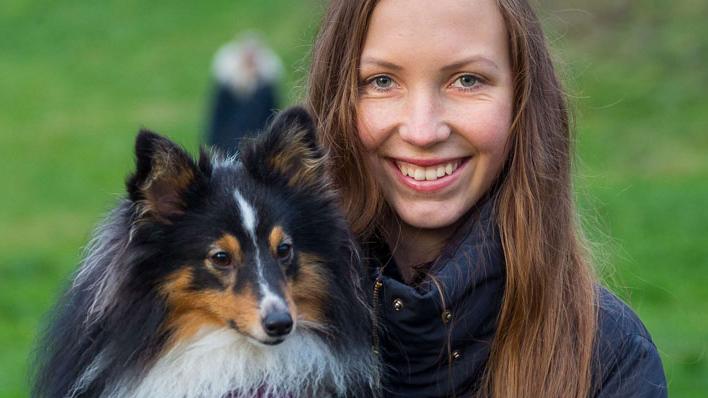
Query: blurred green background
79	78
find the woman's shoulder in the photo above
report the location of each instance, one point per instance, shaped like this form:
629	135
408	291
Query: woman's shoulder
616	318
627	363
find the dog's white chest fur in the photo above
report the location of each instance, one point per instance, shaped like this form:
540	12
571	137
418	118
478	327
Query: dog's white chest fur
220	361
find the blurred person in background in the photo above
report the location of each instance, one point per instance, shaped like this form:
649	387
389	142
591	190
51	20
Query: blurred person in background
247	74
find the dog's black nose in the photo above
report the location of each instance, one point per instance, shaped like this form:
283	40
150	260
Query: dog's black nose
278	323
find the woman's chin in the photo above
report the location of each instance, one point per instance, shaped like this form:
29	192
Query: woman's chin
430	216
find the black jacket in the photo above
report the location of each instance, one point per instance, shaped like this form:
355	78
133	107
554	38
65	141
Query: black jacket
436	344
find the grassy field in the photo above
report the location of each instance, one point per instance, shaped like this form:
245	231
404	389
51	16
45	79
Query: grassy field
79	78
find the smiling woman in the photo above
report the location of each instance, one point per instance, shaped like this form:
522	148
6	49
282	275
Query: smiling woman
451	147
429	104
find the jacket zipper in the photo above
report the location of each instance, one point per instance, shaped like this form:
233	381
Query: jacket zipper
378	284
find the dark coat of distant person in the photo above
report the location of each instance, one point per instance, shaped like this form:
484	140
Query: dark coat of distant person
244	98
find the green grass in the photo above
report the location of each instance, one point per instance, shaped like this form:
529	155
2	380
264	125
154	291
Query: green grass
637	78
80	78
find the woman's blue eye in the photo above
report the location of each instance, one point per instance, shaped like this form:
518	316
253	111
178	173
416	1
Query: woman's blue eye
468	81
383	82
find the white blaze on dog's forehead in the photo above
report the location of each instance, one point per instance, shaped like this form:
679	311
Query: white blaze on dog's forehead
248	214
249	219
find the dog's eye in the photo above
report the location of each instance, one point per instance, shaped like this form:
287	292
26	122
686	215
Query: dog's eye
284	251
221	259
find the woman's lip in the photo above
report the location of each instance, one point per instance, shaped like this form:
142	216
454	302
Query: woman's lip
428	162
427	186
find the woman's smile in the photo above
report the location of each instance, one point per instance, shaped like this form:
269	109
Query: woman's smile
428	175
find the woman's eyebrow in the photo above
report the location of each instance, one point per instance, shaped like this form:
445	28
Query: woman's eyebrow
380	62
475	59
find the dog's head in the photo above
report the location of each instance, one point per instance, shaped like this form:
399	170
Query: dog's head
246	243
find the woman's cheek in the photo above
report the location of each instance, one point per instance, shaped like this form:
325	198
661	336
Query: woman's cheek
488	128
374	124
493	137
365	135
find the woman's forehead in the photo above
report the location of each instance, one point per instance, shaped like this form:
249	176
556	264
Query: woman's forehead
438	32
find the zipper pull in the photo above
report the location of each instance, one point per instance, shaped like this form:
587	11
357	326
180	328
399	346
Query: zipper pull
378	284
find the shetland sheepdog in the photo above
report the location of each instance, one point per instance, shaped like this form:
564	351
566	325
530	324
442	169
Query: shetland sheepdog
221	277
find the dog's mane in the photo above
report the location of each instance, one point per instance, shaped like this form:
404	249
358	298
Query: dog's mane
86	341
105	262
218	362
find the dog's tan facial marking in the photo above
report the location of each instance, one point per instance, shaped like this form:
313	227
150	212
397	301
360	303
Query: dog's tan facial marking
276	236
224	258
281	246
230	244
190	310
232	309
308	289
184	320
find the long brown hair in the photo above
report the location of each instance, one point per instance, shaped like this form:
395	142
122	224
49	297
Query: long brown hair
544	341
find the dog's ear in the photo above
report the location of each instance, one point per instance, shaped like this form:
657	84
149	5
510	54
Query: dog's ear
287	151
164	173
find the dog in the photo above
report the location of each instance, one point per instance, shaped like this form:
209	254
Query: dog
221	277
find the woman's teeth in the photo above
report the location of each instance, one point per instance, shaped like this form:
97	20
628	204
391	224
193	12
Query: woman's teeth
427	173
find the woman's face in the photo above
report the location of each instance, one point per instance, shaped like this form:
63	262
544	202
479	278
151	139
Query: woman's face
435	105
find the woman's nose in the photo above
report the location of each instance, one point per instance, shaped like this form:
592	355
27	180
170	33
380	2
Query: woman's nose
423	121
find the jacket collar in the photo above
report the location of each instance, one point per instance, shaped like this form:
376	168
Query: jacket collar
473	251
452	310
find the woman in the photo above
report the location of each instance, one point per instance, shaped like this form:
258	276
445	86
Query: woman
450	144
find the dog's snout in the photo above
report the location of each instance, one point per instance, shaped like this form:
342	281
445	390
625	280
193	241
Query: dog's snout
277	323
